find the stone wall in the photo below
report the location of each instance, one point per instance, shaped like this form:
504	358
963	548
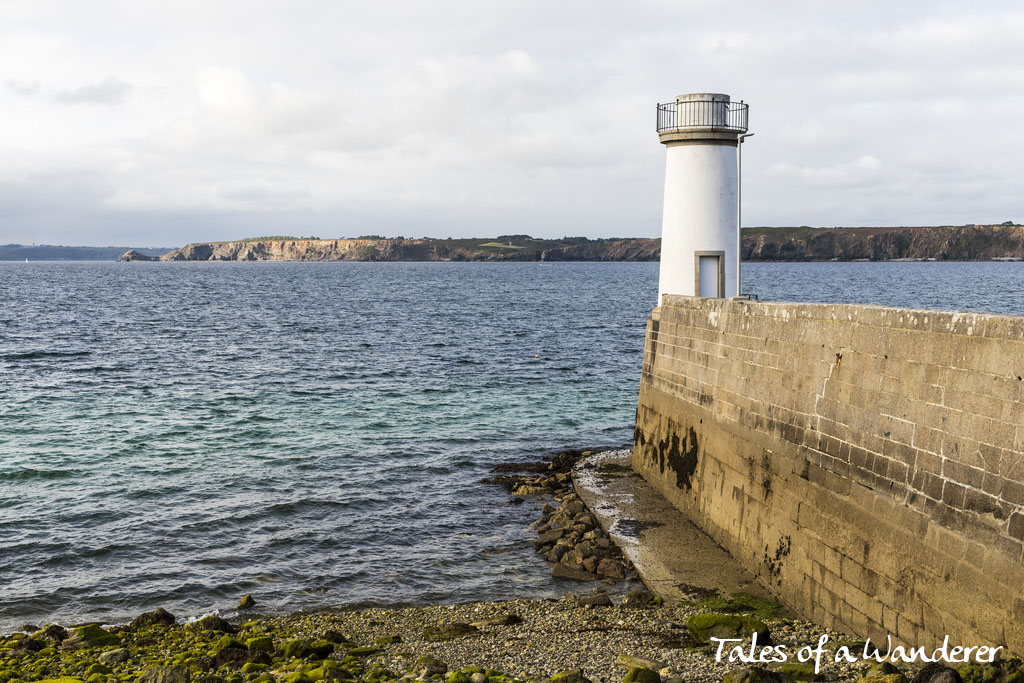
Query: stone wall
866	463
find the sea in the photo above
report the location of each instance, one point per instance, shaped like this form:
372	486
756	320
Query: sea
180	434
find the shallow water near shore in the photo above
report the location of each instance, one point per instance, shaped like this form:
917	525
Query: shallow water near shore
178	435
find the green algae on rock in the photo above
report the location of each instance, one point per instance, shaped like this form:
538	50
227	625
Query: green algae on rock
712	625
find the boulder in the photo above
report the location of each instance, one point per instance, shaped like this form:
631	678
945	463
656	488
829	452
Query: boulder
712	625
246	602
117	656
561	571
637	598
936	673
595	599
211	623
165	674
570	676
158	617
52	634
90	635
631	662
756	674
640	674
426	666
610	569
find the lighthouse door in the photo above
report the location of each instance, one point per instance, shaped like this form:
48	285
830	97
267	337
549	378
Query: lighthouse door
709	280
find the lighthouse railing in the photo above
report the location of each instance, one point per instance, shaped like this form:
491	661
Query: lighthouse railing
702	114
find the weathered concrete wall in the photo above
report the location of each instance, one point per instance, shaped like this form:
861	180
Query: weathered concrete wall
866	463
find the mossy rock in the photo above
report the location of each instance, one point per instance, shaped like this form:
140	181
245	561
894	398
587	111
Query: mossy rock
800	671
740	603
297	677
570	676
260	644
62	679
322	648
300	648
230	643
444	632
90	635
97	669
641	674
387	640
364	651
428	665
253	667
756	674
458	677
712	625
1002	671
246	602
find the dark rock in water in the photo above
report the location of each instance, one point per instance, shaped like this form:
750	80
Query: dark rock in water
610	569
570	676
936	673
427	665
534	467
246	602
641	674
212	623
165	674
561	571
711	625
52	634
637	598
158	617
756	674
90	635
449	631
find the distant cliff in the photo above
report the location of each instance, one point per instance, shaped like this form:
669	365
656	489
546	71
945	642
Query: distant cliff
950	243
505	248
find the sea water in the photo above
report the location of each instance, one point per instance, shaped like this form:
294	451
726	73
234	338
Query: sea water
180	434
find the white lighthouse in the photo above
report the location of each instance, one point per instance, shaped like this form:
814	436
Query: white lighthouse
700	226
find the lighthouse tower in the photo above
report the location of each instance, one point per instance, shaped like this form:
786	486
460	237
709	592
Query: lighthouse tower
700	224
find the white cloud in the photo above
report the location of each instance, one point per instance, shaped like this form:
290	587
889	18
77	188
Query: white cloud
199	119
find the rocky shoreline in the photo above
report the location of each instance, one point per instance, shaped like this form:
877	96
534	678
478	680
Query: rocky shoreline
613	631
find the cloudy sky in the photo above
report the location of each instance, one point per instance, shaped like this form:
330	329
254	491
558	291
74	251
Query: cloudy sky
158	123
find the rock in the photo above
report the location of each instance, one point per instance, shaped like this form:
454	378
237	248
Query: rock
573	558
610	569
631	662
561	571
478	677
712	625
52	634
426	666
229	643
637	598
755	674
158	617
118	656
1000	671
804	671
449	632
257	657
527	490
133	255
598	598
556	553
101	669
387	640
549	536
297	677
211	623
299	648
230	655
363	651
641	674
547	509
936	673
881	671
246	602
508	619
260	644
570	676
90	635
165	674
335	637
590	564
